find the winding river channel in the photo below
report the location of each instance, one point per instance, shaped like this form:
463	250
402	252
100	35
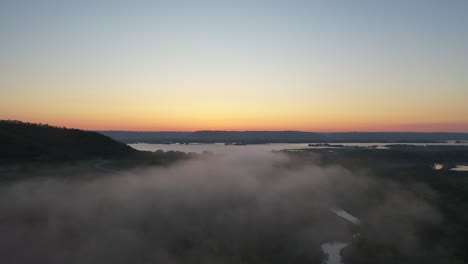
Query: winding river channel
333	249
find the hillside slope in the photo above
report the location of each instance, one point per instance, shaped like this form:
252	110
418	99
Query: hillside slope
28	141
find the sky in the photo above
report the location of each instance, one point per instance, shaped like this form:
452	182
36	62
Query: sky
399	65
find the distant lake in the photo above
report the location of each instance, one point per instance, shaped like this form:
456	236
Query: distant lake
218	148
222	148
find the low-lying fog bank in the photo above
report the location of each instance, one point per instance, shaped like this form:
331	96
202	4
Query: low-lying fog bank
245	207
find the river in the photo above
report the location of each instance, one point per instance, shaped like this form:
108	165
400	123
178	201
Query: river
220	148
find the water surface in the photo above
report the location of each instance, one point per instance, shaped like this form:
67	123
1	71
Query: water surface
222	148
460	168
332	250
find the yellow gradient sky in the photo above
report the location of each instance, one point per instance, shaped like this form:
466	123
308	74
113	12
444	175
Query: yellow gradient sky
240	65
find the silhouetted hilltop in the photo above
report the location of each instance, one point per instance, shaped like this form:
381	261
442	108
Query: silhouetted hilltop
253	137
27	141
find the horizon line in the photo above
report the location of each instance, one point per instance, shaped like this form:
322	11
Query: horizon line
300	131
241	130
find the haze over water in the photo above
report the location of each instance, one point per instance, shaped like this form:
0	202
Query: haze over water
221	148
79	80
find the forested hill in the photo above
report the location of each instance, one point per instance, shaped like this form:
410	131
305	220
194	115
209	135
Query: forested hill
28	141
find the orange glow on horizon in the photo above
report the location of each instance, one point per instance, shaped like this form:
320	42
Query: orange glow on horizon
319	126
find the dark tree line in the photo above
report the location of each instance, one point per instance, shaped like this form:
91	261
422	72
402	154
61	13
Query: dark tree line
26	141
